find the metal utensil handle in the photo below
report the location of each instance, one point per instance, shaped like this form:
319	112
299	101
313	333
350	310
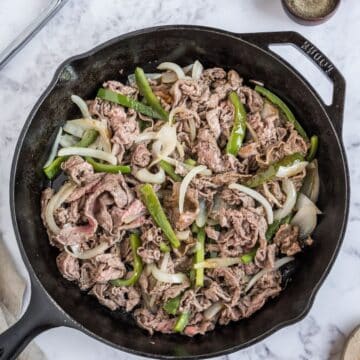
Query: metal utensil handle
40	315
30	31
336	109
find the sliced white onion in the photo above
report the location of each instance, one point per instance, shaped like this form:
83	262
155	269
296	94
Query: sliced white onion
214	263
270	195
192	127
303	200
306	220
145	136
167	136
186	182
54	148
210	312
149	76
165	262
311	186
82	106
202	215
85	124
197	70
278	264
166	277
68	140
174	111
145	176
88	254
290	191
54	203
258	197
183	235
97	154
180	149
293	169
172	67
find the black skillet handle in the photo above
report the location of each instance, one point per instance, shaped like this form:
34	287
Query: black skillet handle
40	315
336	109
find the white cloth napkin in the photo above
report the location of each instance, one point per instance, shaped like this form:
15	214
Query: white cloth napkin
12	288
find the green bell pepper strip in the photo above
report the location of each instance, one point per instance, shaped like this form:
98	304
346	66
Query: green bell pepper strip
200	256
169	170
172	305
146	91
283	107
155	209
135	243
164	247
88	138
314	144
181	322
107	168
239	128
248	257
128	102
190	162
270	173
274	227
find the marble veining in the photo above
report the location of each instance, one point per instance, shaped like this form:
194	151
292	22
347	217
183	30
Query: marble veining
81	25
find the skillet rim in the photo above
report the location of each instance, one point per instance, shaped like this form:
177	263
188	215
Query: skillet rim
35	281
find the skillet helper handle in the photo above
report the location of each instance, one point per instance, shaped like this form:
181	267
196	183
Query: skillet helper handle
336	109
39	316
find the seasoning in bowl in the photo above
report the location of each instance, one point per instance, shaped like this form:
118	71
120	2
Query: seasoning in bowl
310	11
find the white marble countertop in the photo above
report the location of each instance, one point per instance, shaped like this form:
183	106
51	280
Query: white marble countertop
82	24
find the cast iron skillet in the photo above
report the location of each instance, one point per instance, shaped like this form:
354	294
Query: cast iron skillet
56	302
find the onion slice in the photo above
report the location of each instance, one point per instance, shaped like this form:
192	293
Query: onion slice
54	148
295	168
172	67
97	154
197	70
68	140
258	197
306	220
81	105
270	195
54	203
278	264
210	312
290	190
311	186
214	263
303	200
186	182
202	215
145	176
182	235
163	276
88	254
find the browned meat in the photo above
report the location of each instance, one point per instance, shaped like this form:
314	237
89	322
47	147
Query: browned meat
253	100
151	238
79	171
154	322
191	207
234	197
211	233
193	301
141	156
287	239
120	88
68	266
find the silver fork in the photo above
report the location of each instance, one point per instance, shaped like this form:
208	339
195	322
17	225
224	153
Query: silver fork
30	31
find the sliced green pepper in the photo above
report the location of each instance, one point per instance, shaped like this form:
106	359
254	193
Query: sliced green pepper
172	305
107	168
283	107
181	322
128	102
314	144
155	209
239	128
274	227
135	243
164	247
88	138
146	91
200	256
269	174
170	170
190	162
248	257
